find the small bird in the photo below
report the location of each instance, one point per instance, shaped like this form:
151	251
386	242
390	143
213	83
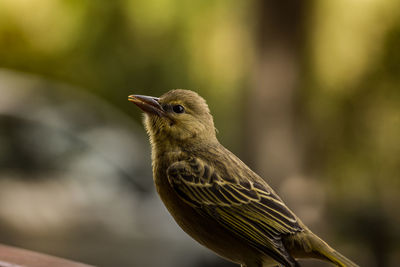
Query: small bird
214	197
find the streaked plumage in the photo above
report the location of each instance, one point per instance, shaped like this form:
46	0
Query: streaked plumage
214	196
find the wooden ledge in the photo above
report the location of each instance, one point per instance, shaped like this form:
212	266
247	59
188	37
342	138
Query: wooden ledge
17	257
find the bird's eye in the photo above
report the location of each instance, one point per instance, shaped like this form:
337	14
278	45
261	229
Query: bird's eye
178	109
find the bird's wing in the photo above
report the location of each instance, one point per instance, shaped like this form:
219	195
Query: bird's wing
248	209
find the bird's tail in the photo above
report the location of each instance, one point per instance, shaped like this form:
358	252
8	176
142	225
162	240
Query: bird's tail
322	248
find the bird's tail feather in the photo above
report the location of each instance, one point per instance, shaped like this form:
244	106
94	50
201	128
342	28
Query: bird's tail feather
322	248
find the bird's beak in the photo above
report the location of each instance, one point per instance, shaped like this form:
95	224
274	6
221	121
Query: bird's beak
148	104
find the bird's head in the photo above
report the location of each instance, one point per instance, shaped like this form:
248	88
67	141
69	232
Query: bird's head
177	116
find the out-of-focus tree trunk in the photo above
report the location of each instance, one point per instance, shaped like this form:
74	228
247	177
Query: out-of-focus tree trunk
271	137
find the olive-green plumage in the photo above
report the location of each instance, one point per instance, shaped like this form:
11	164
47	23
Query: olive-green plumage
214	196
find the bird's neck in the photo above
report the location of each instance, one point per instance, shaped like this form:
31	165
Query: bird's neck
164	146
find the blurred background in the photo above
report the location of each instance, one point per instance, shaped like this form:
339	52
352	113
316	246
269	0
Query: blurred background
307	93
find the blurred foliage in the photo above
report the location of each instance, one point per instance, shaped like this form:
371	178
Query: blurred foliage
345	107
121	47
355	144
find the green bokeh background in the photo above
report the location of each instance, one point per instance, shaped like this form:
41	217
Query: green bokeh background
306	93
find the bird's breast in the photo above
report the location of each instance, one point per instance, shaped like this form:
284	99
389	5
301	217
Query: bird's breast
202	228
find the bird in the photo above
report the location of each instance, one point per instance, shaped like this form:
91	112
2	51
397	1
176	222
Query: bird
215	197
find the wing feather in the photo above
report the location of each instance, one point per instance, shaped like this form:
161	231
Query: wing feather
247	209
